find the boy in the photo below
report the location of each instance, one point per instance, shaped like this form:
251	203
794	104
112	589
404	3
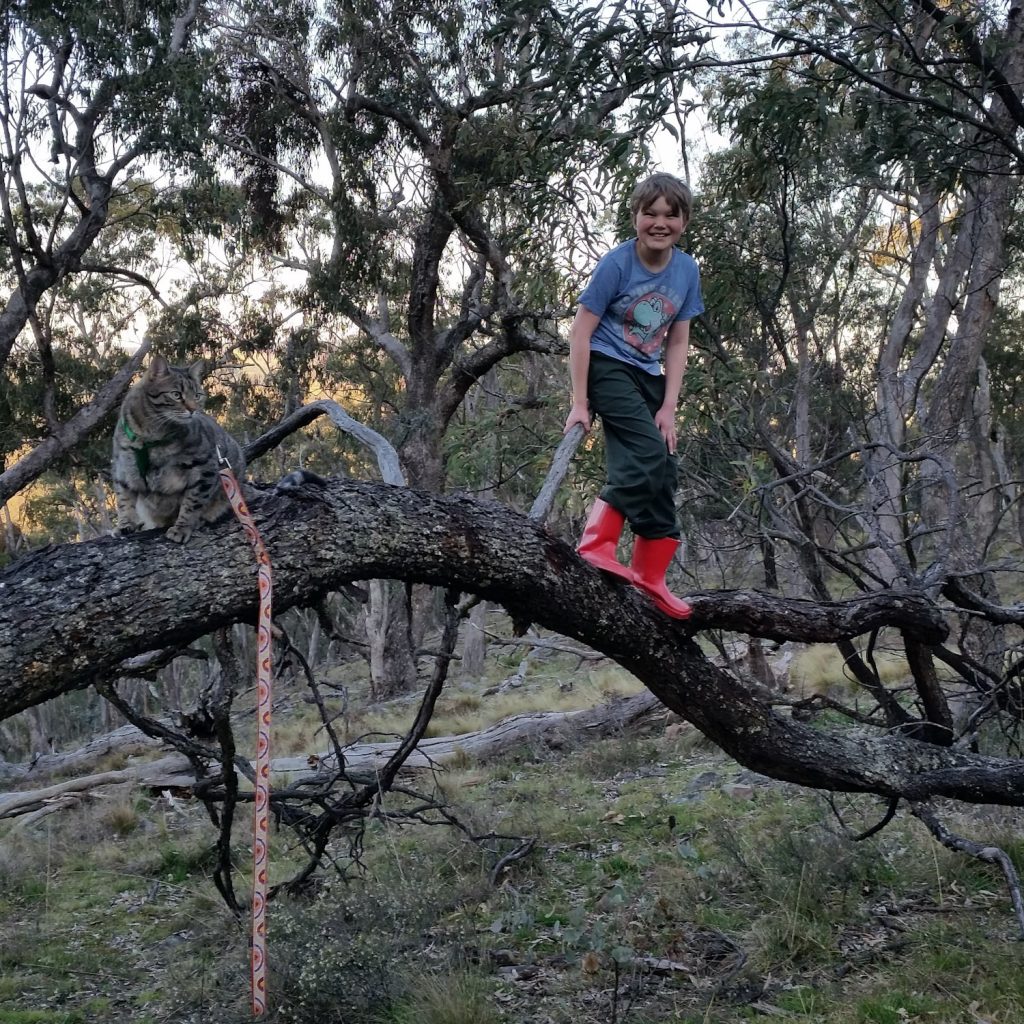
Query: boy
639	301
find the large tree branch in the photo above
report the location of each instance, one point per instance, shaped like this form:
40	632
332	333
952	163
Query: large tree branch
21	303
975	51
430	239
70	615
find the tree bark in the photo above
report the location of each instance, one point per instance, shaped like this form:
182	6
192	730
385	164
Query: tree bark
71	614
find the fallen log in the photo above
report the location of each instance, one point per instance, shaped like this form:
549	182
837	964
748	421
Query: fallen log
363	760
167	772
122	742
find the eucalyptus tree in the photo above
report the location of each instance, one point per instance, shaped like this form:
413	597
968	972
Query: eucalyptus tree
93	96
783	223
922	116
434	174
433	170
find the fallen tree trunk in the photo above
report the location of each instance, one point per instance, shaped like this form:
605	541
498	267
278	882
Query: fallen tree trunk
122	742
362	760
70	615
166	772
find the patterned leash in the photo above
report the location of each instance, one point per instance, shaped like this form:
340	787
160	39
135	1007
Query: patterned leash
260	854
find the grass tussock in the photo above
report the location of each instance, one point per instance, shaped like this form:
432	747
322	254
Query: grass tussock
457	998
642	857
820	668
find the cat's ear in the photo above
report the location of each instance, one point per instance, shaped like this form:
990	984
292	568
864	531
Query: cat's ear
197	371
157	367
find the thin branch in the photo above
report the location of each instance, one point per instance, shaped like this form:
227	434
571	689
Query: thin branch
220	708
981	851
560	463
387	457
449	638
890	813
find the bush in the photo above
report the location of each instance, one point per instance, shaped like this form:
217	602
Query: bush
342	957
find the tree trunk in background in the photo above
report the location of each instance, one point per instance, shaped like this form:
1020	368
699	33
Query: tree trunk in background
389	633
474	643
957	411
395	621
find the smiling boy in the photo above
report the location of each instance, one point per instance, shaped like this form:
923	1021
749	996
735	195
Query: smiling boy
628	346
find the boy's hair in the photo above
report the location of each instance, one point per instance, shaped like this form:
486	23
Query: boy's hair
652	188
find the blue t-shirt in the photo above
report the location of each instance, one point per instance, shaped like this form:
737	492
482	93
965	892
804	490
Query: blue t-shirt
637	306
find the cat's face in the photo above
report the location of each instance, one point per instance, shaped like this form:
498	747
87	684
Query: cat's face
174	393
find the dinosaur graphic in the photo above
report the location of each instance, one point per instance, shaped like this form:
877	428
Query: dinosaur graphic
645	321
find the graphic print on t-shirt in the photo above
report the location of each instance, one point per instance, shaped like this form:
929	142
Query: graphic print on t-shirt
645	321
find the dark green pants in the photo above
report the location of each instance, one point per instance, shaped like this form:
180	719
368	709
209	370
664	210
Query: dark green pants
641	472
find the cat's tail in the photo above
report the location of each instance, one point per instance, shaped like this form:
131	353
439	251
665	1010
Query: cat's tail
297	480
299	483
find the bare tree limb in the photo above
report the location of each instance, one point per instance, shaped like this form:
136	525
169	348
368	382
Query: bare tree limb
982	851
31	466
387	457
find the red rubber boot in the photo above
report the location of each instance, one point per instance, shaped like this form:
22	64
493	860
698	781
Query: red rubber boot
600	537
651	559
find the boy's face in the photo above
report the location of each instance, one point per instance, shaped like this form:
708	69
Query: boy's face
659	227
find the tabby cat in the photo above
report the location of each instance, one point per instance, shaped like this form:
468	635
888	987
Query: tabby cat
164	464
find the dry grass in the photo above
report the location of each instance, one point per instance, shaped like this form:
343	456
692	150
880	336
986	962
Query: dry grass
749	895
821	669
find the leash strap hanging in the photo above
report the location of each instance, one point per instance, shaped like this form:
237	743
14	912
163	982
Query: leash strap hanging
261	805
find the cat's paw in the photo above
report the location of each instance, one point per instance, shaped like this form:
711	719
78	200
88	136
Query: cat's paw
124	529
179	534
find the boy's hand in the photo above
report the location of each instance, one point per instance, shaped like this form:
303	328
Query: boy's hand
577	414
665	421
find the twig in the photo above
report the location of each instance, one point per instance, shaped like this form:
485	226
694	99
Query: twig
220	709
806	705
449	638
982	851
198	754
890	813
325	716
510	858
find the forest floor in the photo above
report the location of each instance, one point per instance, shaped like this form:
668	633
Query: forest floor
667	883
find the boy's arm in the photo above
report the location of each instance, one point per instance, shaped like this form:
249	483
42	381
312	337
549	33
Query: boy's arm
677	348
583	327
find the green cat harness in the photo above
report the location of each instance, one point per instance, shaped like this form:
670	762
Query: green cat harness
141	454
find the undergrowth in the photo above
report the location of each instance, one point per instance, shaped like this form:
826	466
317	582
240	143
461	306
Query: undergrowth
666	884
